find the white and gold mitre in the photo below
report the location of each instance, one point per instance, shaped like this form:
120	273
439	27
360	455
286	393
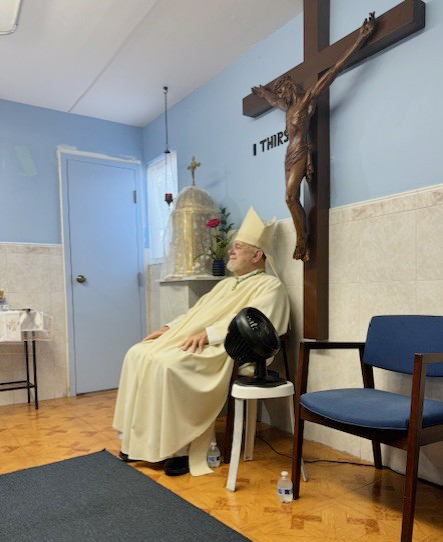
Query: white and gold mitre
256	232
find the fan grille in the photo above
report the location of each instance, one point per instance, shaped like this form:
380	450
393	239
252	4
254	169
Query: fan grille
251	337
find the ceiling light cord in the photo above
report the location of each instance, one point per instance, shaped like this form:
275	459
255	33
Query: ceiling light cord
167	151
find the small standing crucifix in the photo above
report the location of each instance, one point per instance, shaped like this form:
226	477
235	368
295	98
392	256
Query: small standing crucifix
192	167
396	24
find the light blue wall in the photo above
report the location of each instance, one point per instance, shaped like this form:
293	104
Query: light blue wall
387	128
386	119
209	124
30	210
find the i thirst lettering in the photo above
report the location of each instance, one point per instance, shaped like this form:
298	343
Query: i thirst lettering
270	142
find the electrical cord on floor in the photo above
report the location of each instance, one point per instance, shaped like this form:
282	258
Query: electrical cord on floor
314	460
433	484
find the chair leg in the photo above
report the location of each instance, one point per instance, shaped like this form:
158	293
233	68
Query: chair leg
236	445
228	430
251	422
376	450
291	413
285	361
297	455
410	492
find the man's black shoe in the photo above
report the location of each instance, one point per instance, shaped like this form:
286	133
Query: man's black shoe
124	457
176	466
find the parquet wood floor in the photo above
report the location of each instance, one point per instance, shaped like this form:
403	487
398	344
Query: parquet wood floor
340	502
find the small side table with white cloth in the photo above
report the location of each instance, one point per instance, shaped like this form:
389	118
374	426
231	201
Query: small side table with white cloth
27	326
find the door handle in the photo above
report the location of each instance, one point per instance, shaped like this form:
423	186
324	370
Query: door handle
81	278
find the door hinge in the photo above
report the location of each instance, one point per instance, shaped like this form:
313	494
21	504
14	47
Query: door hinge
134	195
140	279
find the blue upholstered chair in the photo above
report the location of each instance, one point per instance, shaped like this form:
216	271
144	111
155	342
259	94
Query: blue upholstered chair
404	344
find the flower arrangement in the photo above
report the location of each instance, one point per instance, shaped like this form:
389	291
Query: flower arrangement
221	235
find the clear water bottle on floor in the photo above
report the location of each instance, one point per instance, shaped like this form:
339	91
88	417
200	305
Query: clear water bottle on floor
213	455
284	488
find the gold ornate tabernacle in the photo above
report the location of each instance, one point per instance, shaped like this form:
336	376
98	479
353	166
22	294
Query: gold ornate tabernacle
187	236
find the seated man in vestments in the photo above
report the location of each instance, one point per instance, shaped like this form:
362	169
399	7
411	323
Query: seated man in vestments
175	382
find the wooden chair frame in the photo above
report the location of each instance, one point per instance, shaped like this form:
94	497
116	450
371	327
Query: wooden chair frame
410	440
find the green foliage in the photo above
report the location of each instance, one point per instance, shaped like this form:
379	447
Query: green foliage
221	235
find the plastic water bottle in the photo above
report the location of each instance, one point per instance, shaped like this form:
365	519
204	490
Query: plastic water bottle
213	455
284	488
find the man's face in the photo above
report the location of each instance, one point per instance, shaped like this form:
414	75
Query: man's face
289	90
241	258
281	91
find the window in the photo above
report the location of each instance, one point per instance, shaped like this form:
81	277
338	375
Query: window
161	178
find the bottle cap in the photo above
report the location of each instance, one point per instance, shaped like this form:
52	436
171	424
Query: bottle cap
213	443
284	473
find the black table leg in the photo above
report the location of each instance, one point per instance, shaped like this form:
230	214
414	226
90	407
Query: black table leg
34	361
28	389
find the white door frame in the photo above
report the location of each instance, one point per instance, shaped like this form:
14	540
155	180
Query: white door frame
62	152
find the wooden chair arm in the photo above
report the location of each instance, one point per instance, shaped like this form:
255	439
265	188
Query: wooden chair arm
419	377
418	394
434	357
419	374
303	360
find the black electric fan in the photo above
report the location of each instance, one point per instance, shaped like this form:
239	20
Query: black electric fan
252	338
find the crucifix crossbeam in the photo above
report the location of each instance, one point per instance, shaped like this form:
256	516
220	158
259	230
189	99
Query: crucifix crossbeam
396	24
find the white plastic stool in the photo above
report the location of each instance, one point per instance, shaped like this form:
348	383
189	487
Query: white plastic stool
251	394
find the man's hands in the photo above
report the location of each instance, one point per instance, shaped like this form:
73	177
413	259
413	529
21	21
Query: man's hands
195	343
156	334
260	90
368	25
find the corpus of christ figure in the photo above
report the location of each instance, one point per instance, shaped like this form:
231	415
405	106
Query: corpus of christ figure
299	105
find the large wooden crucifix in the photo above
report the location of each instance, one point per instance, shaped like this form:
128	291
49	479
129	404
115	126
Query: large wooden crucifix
394	25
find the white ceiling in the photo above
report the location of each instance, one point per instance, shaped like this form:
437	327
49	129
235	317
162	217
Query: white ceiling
111	58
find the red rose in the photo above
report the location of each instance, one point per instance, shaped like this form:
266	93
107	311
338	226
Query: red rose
213	223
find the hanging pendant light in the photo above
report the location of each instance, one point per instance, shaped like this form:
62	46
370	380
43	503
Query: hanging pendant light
168	196
165	91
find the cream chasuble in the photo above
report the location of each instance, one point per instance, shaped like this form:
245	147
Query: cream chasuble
168	398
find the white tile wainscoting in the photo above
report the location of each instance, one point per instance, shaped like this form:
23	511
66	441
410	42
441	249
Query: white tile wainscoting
32	276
